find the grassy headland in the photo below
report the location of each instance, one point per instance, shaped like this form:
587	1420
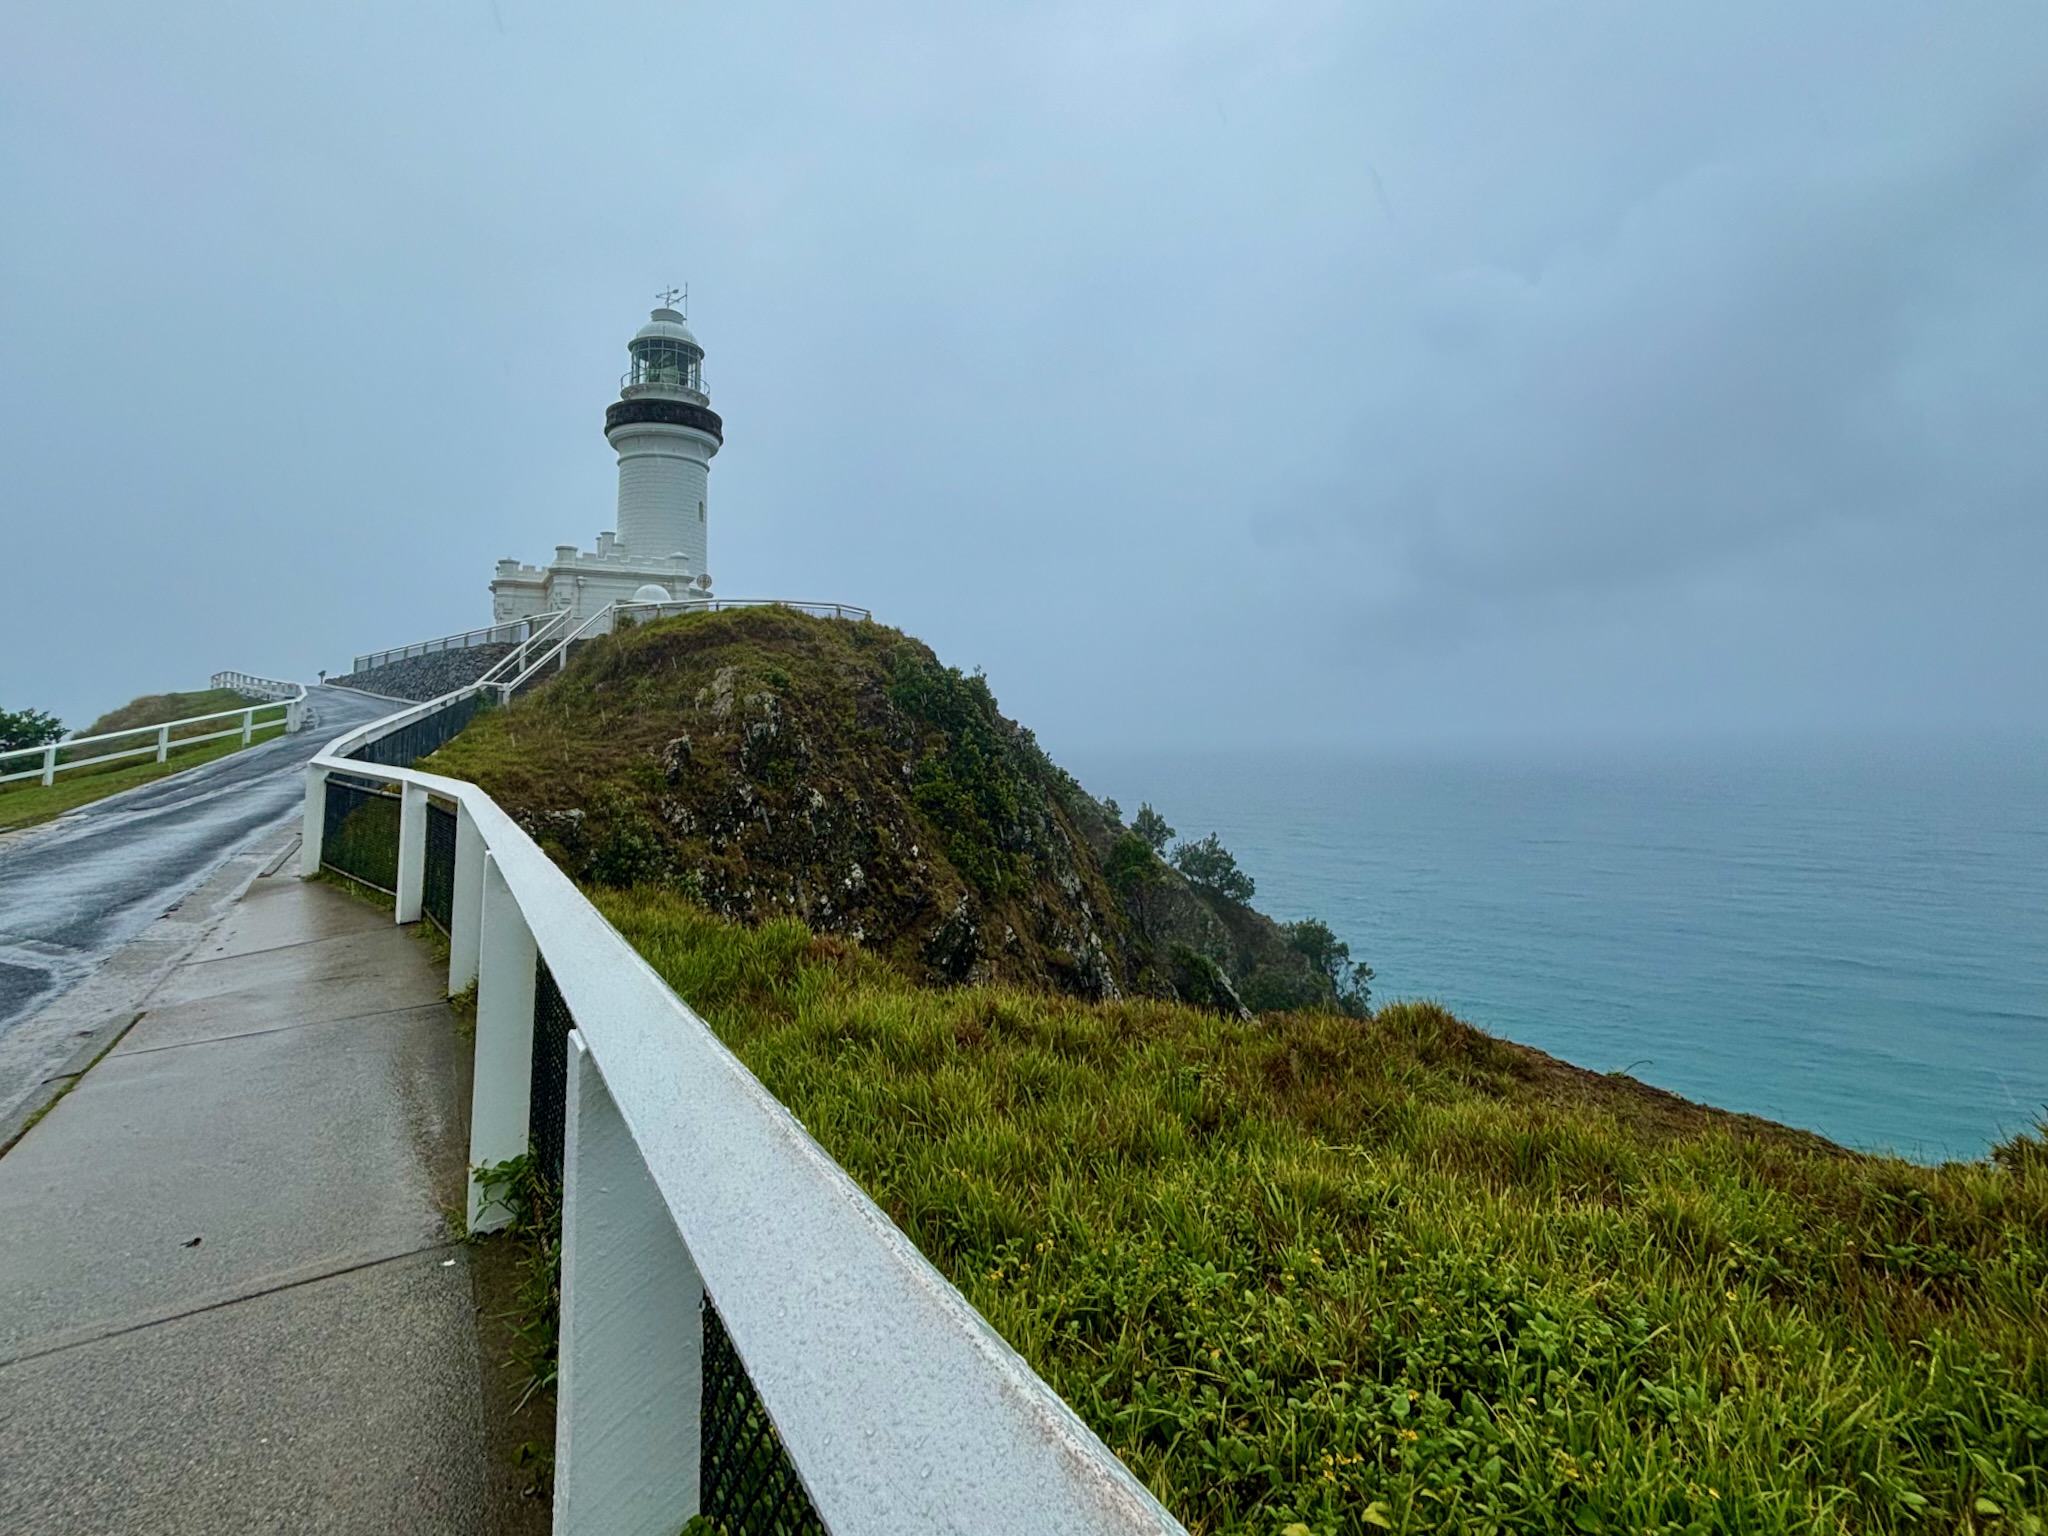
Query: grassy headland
774	765
1299	1267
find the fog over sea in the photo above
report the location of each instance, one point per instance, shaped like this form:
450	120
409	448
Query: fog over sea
1853	939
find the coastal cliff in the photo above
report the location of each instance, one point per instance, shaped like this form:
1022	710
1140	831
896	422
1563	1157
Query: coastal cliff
768	764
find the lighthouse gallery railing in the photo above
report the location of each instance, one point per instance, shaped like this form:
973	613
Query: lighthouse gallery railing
744	1333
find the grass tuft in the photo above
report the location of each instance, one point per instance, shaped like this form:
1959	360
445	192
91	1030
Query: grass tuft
533	1201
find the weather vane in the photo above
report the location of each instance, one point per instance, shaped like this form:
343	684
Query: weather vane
668	296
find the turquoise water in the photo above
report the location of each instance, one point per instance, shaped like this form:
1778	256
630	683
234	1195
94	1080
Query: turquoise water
1854	941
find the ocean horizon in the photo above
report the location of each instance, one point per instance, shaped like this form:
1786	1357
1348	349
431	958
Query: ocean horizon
1849	938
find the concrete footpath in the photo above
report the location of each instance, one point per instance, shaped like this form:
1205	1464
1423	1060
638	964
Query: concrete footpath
230	1296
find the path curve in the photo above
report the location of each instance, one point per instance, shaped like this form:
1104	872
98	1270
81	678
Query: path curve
75	890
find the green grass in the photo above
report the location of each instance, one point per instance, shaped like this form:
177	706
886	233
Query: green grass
1349	1275
27	802
533	1202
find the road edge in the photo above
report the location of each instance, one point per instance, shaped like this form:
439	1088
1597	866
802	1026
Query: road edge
101	1009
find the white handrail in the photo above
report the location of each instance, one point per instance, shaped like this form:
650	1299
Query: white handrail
162	742
898	1405
557	651
510	664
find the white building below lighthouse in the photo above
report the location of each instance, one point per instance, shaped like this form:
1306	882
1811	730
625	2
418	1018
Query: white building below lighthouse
664	432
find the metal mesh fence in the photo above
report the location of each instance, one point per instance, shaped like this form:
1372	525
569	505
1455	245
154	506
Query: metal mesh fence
548	1103
437	878
360	832
411	742
748	1485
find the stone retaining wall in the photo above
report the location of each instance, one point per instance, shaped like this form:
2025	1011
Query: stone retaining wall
427	677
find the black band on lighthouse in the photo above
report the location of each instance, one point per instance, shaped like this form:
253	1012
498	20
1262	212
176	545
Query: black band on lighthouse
672	413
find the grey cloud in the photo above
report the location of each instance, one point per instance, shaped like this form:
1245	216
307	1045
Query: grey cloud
1203	371
1758	348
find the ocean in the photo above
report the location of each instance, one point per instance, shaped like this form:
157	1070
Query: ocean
1852	940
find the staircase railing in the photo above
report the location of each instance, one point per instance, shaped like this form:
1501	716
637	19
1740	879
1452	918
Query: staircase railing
744	1333
555	652
543	635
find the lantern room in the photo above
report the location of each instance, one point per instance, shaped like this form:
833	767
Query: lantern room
665	355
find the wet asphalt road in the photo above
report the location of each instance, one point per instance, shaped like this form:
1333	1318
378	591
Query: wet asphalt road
75	890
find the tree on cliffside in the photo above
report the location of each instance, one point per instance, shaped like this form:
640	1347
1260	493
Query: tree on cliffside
1211	869
1152	827
1350	981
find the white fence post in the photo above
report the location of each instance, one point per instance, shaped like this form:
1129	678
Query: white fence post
465	921
248	725
631	1384
412	852
502	1085
50	764
163	743
315	826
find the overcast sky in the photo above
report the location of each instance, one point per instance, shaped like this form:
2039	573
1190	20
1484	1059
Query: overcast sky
1431	373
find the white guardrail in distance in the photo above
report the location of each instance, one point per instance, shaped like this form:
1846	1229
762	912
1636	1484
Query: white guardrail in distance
260	687
899	1408
291	697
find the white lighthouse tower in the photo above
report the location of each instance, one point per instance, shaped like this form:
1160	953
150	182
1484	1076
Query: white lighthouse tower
664	431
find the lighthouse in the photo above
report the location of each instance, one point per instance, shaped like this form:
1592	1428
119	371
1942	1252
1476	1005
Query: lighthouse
665	433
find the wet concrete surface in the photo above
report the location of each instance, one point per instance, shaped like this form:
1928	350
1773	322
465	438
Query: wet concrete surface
236	1302
75	890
